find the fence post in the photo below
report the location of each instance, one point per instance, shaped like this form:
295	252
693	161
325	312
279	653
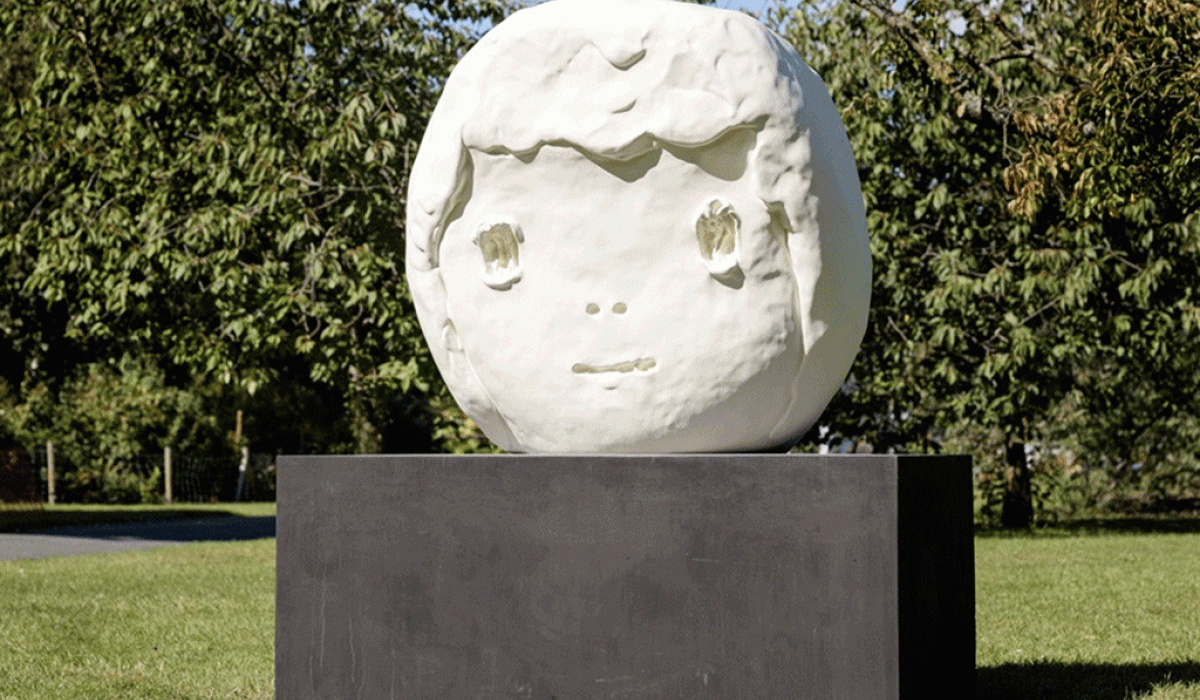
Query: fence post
242	473
237	441
167	474
50	472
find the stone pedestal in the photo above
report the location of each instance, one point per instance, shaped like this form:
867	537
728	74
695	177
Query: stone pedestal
579	577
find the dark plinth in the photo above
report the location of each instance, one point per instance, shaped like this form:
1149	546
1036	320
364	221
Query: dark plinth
570	578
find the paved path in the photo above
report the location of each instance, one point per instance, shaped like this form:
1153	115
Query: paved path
96	539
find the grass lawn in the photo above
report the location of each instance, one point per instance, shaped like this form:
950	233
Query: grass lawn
190	622
1101	616
1060	615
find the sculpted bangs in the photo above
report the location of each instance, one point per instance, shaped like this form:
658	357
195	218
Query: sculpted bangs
615	85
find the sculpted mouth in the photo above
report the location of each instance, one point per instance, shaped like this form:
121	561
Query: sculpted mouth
639	365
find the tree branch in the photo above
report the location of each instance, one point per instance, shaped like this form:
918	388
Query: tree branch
971	106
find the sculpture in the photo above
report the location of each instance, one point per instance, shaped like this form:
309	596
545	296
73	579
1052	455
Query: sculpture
637	226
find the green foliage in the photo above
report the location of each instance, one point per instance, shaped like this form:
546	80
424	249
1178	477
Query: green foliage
104	421
1112	163
961	325
455	432
220	185
1001	311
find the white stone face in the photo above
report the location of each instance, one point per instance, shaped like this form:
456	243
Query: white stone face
636	226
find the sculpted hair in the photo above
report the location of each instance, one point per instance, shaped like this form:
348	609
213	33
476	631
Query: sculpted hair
576	73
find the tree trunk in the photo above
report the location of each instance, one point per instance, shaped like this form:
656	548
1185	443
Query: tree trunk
367	439
1017	508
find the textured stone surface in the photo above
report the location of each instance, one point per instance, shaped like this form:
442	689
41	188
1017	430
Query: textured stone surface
694	576
637	226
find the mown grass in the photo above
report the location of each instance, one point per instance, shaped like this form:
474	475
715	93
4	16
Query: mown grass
1105	611
1106	615
193	622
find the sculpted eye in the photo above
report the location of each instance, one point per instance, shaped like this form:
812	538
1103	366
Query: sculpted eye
499	242
717	234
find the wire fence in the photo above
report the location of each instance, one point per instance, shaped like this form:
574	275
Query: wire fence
214	479
193	478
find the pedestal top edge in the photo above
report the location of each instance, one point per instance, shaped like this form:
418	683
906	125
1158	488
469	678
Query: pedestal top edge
674	457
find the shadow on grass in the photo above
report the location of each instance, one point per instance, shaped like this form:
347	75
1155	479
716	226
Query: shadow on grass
1128	525
36	520
1063	681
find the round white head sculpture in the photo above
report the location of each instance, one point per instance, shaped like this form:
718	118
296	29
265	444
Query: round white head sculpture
637	226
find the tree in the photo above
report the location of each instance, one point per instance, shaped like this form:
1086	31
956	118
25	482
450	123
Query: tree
1113	158
105	420
992	308
219	185
960	331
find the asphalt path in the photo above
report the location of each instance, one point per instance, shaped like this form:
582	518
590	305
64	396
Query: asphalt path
123	537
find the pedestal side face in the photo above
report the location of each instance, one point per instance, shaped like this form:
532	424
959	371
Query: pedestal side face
936	551
587	577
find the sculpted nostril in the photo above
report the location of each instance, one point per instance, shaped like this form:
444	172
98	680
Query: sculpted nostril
592	309
620	307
